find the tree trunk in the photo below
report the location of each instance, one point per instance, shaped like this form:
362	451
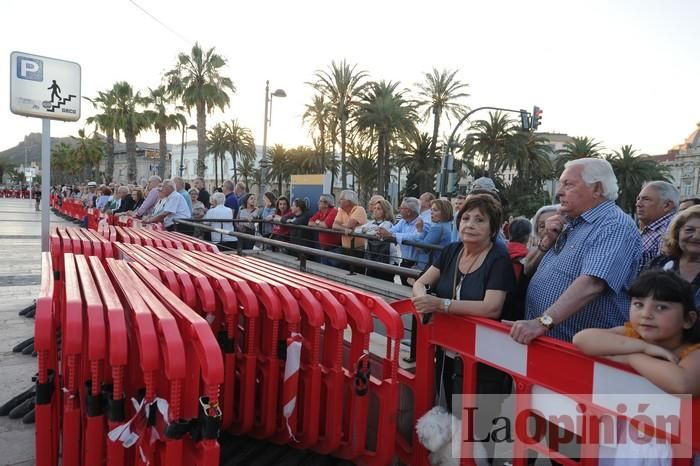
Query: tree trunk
437	111
201	137
109	162
216	172
343	166
163	148
130	157
380	162
235	169
222	169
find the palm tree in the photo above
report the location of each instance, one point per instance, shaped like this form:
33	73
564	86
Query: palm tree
163	121
130	119
316	116
218	144
197	81
4	167
63	161
88	153
240	144
440	93
362	164
632	171
280	165
342	85
422	166
491	139
578	148
529	154
247	170
385	112
106	121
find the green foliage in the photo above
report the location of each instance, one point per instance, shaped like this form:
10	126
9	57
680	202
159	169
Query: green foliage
197	81
240	144
131	118
88	153
421	164
579	148
632	171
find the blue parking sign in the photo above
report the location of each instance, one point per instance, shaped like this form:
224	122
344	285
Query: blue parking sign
30	68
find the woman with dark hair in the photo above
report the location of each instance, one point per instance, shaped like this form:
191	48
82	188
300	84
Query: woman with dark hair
301	216
249	210
137	196
282	213
472	277
267	213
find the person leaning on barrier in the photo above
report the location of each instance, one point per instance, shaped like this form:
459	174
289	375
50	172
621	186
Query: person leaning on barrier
472	277
656	205
350	216
267	213
152	197
126	201
585	261
378	250
438	232
174	207
406	229
219	211
248	211
324	218
282	212
202	195
300	216
231	198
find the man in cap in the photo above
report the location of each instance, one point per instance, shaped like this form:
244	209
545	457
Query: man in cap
89	200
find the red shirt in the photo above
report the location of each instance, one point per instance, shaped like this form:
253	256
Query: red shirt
281	230
326	218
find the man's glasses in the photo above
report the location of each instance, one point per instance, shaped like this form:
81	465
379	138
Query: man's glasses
561	239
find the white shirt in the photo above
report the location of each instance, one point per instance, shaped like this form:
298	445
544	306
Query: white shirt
176	207
220	212
427	220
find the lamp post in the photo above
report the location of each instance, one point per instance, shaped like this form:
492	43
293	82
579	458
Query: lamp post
182	148
268	121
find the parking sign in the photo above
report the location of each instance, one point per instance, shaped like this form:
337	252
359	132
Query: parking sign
44	87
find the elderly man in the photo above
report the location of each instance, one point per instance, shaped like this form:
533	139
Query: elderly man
203	194
90	197
175	207
657	203
180	188
240	192
350	216
153	188
586	260
404	230
126	202
219	211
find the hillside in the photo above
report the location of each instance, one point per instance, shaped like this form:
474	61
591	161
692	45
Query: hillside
15	155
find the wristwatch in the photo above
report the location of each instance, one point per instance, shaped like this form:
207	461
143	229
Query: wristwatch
446	305
546	320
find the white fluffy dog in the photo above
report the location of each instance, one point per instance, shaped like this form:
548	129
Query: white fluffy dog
436	429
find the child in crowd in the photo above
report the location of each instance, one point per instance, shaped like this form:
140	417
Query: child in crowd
661	342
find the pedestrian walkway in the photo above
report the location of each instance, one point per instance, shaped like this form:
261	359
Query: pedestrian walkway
20	264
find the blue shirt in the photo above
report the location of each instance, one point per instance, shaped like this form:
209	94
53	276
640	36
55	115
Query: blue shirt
439	234
407	231
188	199
232	203
604	243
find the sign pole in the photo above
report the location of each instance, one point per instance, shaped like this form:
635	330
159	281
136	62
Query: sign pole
45	181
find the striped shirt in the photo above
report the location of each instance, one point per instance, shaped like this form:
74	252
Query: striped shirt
652	237
603	242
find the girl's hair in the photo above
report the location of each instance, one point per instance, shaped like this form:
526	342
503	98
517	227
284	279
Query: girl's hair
301	204
388	210
666	285
277	204
671	247
271	197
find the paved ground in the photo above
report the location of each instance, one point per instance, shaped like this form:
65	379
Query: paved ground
20	263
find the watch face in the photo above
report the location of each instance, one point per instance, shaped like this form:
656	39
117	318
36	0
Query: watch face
546	320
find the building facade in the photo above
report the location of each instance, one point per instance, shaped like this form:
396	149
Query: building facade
147	162
683	162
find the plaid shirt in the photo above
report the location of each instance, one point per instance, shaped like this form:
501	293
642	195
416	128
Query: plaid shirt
652	237
603	242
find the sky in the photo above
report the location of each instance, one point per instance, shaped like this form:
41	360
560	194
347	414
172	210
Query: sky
622	71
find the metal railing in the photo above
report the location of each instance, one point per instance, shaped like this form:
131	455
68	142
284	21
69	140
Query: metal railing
303	252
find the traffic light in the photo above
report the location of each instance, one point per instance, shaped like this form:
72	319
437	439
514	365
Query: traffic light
524	120
536	117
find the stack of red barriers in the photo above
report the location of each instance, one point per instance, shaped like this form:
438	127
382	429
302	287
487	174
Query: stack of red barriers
165	342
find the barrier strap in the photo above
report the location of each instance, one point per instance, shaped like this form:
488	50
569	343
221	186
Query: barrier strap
94	403
227	344
362	374
44	391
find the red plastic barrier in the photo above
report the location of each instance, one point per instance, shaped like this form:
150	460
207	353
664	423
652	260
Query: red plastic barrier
205	372
48	394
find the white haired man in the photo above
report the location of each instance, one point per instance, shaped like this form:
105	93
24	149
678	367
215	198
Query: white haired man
656	205
585	261
405	229
175	207
153	188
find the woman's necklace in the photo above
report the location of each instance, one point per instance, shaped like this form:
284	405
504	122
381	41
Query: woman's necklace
457	289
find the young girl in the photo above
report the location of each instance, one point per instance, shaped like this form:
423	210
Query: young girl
661	341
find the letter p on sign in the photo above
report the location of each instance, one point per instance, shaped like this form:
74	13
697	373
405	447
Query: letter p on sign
30	68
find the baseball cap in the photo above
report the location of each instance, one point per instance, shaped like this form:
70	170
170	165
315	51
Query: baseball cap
91	184
484	183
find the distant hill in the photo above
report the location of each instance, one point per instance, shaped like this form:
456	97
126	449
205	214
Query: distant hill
15	155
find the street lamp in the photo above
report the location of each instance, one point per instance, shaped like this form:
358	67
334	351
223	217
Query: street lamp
182	148
268	122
